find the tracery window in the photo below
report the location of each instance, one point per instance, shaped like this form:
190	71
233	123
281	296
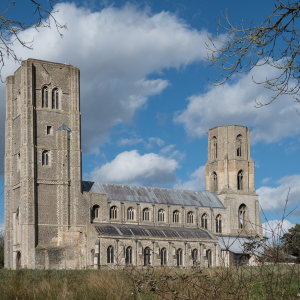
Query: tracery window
242	216
55	99
214	182
147	256
96	212
128	256
219	224
113	212
204	221
214	148
45	158
130	213
45	97
161	215
239	140
146	214
179	257
163	256
110	255
194	255
190	217
176	216
240	177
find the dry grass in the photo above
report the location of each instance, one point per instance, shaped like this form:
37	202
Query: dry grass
265	282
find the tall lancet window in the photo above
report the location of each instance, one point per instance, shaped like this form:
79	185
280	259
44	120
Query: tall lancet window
55	99
45	97
214	182
240	180
239	140
242	216
214	147
219	224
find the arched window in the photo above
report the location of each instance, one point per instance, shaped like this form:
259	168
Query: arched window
55	99
45	97
176	216
163	256
18	162
113	212
242	216
147	256
214	178
130	213
110	255
214	148
219	224
179	257
18	260
208	256
161	215
146	214
92	256
128	256
194	255
190	217
45	158
204	221
239	140
96	212
240	177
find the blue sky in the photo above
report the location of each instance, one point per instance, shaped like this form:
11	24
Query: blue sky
145	97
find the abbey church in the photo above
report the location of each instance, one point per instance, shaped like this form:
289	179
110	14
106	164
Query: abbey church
53	219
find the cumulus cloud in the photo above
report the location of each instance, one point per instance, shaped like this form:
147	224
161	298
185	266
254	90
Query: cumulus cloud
265	180
115	49
159	142
196	182
130	167
275	229
129	142
274	198
233	103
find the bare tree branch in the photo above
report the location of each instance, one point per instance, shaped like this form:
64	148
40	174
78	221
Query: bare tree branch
274	42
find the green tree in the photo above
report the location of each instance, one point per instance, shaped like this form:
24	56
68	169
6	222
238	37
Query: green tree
274	41
1	248
10	28
291	241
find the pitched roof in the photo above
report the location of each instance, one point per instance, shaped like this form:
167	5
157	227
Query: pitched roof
64	127
151	231
153	195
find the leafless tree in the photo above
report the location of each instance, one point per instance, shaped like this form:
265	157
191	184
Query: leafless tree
11	28
273	42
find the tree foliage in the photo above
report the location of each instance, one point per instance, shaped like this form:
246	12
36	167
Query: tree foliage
274	42
291	241
11	28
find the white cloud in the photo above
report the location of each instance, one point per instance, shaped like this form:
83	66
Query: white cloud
265	180
233	103
2	226
275	229
274	198
159	142
167	149
196	182
115	50
130	167
130	142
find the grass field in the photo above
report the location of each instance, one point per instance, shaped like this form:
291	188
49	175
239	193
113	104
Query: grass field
267	282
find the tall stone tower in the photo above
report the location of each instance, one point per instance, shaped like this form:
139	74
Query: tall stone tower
42	162
229	172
